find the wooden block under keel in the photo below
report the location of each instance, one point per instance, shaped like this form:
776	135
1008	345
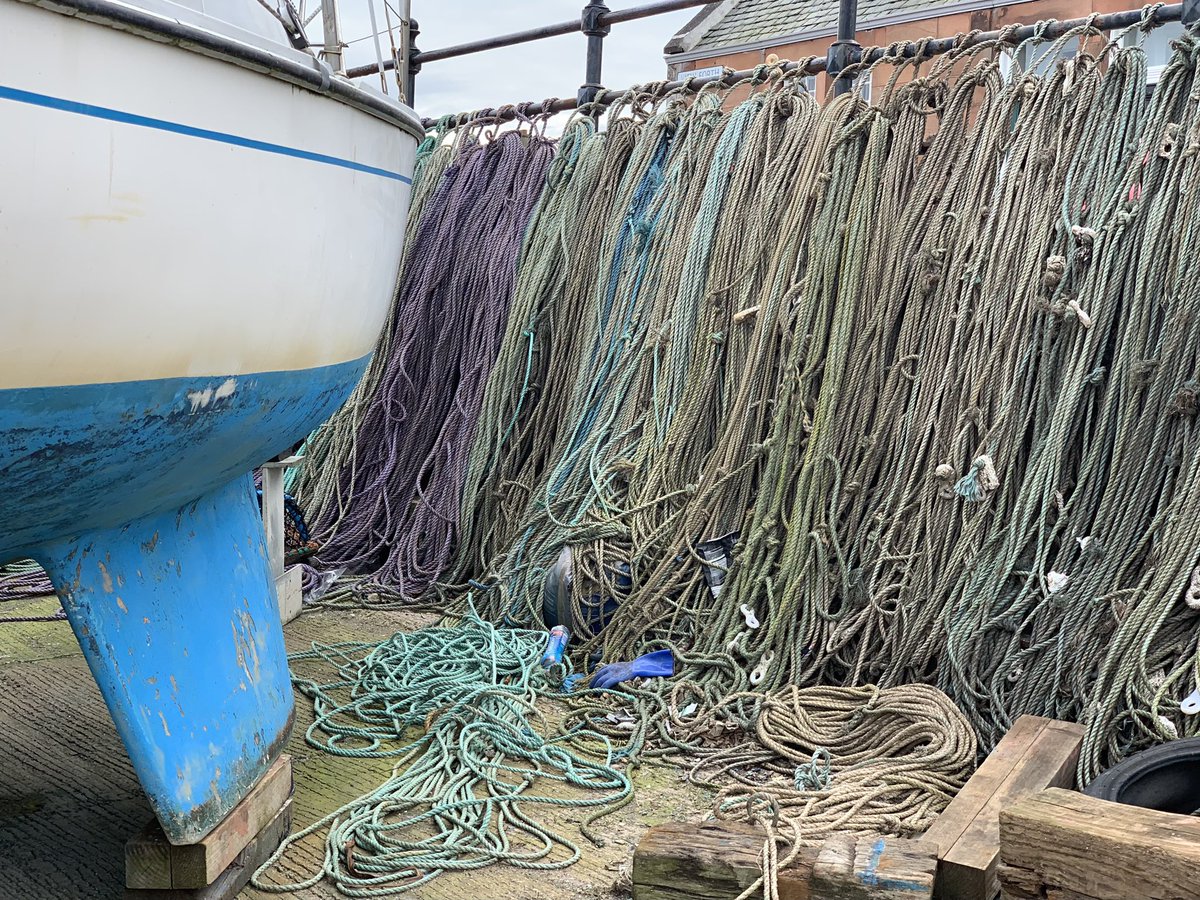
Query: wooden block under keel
153	863
1035	754
229	883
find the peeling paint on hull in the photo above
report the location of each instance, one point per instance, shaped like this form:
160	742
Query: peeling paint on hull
163	576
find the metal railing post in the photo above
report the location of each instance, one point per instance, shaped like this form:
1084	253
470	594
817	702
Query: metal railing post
414	63
405	51
845	51
591	24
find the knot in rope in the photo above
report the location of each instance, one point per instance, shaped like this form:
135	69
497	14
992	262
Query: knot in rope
1143	371
816	774
1056	267
1186	401
979	481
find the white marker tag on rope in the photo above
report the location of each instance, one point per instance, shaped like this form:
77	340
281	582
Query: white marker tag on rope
688	710
737	639
760	671
1191	704
751	619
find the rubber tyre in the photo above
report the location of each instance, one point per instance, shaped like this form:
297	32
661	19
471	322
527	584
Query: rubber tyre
1166	778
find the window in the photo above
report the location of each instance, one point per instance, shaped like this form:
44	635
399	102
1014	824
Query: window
1157	45
1039	59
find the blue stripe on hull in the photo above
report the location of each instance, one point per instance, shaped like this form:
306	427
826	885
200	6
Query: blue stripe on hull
135	497
115	115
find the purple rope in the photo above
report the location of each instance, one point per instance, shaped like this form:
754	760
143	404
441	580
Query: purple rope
415	438
26	586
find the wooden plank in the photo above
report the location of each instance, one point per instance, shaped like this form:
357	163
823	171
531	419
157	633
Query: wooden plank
965	807
719	860
148	859
1077	846
874	867
229	883
289	589
1037	753
711	860
199	864
680	860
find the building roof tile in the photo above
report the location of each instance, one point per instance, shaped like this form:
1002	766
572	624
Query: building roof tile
749	21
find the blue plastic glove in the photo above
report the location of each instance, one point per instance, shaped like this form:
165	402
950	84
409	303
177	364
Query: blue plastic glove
659	664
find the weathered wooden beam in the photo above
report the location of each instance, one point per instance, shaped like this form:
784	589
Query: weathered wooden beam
873	867
1035	754
711	860
1060	845
229	883
151	862
719	860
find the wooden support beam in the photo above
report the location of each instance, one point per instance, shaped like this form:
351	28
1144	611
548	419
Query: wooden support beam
151	862
289	588
873	867
1067	846
1035	754
712	860
229	883
719	860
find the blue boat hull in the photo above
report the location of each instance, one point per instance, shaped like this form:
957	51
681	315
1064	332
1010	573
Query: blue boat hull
163	576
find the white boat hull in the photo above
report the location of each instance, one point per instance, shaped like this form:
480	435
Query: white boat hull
197	258
218	222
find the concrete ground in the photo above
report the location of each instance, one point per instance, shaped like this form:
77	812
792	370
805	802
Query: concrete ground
69	799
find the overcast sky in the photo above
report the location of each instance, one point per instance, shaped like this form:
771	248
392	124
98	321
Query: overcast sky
534	71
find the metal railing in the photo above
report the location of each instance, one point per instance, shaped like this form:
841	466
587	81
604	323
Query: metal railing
1188	13
845	52
595	22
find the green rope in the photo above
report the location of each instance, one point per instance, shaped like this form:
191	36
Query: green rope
934	360
457	708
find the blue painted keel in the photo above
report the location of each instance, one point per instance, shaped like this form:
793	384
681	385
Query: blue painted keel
177	616
135	497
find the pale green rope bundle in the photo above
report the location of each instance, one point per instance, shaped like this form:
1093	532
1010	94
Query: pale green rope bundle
458	710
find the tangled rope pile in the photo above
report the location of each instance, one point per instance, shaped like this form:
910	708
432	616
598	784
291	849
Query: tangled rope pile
457	709
835	759
929	366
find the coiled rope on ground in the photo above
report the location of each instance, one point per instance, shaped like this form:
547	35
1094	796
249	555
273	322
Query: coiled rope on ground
457	708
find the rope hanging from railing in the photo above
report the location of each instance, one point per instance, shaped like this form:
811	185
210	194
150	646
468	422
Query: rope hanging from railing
1156	14
918	374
